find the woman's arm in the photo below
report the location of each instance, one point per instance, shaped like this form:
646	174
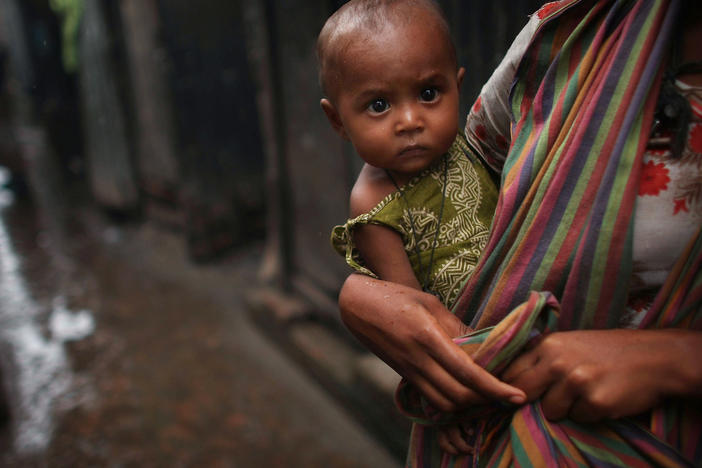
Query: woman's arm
589	375
411	331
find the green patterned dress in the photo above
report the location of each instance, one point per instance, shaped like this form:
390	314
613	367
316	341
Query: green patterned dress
471	197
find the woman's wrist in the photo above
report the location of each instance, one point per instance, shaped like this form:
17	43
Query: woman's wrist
673	358
682	350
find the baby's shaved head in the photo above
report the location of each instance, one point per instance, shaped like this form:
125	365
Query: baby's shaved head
359	21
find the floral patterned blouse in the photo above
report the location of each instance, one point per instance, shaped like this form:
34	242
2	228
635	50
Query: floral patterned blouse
669	205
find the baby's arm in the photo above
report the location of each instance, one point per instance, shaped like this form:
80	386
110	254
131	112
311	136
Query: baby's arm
382	248
384	253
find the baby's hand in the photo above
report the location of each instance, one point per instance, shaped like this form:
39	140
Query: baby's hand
455	439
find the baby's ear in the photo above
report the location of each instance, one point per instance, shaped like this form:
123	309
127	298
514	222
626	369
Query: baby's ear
459	76
333	117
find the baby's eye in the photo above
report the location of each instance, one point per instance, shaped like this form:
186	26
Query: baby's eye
378	106
429	94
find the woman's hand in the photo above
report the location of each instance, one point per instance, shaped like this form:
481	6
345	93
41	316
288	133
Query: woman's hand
411	331
591	375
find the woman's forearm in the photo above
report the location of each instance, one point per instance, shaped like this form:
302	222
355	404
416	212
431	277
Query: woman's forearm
412	332
681	361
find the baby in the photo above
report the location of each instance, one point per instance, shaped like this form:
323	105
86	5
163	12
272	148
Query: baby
422	205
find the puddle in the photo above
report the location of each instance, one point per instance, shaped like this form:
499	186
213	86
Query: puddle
34	362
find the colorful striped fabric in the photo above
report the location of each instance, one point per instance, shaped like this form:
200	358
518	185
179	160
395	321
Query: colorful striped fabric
583	103
564	219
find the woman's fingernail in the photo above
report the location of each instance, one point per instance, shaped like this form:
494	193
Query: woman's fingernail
517	399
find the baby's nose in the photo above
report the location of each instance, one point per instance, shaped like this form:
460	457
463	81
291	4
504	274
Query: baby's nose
409	119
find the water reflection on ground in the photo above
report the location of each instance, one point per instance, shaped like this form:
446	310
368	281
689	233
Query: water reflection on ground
32	345
116	350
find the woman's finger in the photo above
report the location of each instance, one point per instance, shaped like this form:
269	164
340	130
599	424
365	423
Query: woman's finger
445	443
450	356
433	395
442	389
558	400
519	365
531	373
476	384
456	437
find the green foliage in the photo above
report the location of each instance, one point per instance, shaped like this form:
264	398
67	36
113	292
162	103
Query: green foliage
70	12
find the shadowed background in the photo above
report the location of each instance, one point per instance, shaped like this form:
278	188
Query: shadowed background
166	169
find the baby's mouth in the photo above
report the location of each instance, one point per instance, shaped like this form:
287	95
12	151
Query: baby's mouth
412	150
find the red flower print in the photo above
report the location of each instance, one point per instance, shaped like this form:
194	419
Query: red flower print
639	304
657	151
502	142
680	205
480	132
696	138
545	10
478	104
654	178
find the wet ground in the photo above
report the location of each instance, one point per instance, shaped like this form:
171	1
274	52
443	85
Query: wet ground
117	351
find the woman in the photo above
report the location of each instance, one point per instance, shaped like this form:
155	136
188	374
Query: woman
577	239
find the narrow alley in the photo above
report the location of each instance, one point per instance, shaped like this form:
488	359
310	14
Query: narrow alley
118	351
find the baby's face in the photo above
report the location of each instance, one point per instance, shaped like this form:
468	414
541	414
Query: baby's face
397	98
